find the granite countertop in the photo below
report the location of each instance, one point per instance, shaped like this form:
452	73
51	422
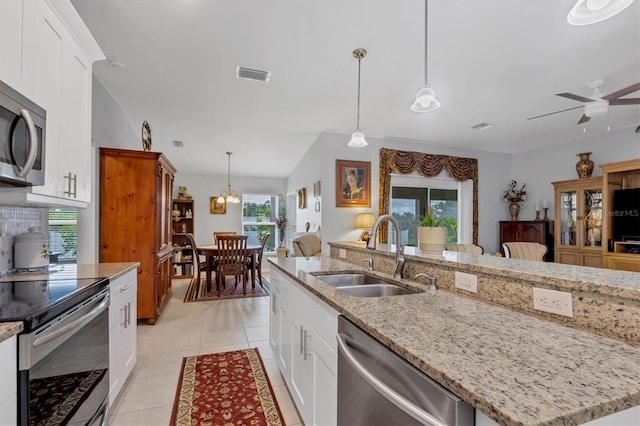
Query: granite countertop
582	278
515	368
9	329
74	271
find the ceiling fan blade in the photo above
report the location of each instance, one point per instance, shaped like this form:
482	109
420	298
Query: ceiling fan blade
556	112
627	101
622	92
584	119
574	97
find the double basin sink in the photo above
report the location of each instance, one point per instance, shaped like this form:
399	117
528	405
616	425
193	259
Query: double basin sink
362	285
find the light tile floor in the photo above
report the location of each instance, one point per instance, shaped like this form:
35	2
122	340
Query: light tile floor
186	329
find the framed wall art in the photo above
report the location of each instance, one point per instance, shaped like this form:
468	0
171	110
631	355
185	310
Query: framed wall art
302	198
216	207
316	189
353	183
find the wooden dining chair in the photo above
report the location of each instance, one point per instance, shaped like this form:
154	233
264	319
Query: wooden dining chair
232	260
258	266
199	264
216	234
524	250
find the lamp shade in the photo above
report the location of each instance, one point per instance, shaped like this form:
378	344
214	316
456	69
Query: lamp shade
357	140
586	12
596	108
425	100
364	221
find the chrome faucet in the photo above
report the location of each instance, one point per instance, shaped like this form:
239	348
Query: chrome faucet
432	281
371	244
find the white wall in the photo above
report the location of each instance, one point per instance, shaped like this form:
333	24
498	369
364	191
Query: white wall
110	127
203	187
319	164
538	168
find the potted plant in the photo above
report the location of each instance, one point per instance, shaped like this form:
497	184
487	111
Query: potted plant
432	232
281	225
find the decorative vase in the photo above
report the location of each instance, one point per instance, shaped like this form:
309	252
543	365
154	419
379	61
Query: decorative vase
281	233
431	239
514	210
584	167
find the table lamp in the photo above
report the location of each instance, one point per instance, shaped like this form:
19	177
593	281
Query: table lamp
364	221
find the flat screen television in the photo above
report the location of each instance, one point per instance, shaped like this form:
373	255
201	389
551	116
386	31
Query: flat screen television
626	214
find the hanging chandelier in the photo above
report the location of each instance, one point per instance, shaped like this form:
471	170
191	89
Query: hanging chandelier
426	100
228	196
357	138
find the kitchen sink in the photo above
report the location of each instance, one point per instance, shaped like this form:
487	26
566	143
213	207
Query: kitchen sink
375	290
345	280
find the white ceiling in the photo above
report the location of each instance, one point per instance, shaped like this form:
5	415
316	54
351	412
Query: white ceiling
496	61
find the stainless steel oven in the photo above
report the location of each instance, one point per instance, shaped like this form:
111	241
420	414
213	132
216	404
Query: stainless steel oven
63	352
22	139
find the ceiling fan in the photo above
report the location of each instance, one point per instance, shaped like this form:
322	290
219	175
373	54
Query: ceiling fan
597	104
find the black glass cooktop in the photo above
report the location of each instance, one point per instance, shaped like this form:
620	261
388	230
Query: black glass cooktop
35	302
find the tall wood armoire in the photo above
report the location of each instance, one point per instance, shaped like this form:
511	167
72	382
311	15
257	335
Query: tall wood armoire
136	189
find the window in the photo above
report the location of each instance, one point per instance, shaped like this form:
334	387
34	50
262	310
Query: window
63	234
412	196
258	218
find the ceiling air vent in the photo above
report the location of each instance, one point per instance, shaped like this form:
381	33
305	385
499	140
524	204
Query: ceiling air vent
178	144
251	74
482	126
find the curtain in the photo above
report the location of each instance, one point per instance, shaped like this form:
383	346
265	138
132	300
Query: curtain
428	165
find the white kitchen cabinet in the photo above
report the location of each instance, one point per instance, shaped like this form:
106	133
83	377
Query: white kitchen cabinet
17	47
9	382
63	55
122	331
279	325
308	341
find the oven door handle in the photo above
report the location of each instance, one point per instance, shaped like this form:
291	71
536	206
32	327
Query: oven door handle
33	144
53	334
392	396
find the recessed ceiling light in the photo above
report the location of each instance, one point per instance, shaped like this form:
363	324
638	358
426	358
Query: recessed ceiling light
251	74
117	64
482	126
178	144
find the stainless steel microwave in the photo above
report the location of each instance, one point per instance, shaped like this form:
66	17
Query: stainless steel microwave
22	139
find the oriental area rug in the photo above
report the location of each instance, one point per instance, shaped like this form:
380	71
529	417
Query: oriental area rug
227	388
197	291
54	400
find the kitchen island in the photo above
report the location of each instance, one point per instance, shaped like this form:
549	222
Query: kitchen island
513	367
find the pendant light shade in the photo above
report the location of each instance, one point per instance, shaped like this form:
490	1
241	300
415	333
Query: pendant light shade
357	138
228	196
586	12
426	100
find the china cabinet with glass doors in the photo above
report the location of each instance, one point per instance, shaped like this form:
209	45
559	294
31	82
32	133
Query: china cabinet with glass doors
578	221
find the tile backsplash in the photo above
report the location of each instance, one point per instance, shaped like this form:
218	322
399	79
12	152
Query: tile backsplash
16	220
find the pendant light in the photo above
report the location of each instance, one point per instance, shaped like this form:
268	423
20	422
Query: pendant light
357	138
426	100
229	196
586	12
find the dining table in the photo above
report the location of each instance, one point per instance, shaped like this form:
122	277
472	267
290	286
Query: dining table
212	250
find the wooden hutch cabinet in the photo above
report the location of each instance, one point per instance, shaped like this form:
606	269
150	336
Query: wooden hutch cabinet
534	231
624	252
136	190
578	221
183	224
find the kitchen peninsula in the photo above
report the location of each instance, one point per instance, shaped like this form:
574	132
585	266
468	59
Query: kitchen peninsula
513	367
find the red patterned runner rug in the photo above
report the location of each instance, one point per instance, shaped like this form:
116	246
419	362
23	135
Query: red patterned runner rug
228	388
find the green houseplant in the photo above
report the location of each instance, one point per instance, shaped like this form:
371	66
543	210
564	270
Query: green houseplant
432	232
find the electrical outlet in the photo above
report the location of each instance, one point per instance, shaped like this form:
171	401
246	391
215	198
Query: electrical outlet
342	253
467	282
555	302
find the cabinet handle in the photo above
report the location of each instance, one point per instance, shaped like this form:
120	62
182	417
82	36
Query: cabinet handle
129	313
33	144
72	179
125	288
305	339
124	313
301	340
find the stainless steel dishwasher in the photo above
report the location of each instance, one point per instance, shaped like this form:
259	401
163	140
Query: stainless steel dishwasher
377	387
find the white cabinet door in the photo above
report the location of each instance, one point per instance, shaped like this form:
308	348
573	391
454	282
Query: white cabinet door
8	382
301	366
274	317
16	48
325	383
122	331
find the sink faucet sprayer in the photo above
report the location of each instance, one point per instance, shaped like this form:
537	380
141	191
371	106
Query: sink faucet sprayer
432	281
371	244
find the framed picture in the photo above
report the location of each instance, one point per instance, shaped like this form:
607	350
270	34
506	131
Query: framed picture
316	189
353	183
216	207
302	198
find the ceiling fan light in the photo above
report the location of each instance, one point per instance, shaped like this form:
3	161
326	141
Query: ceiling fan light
596	108
586	12
426	100
357	140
